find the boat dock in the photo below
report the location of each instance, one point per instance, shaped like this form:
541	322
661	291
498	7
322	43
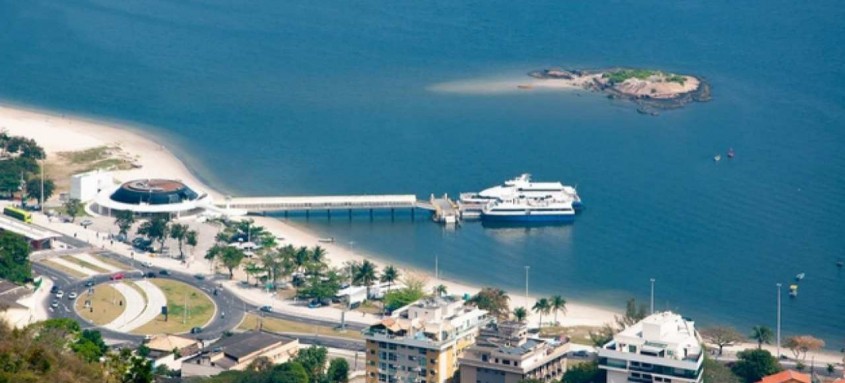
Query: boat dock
445	210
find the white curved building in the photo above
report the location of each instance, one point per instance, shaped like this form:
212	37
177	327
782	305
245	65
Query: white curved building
152	196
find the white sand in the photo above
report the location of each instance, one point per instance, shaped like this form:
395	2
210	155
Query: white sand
58	133
507	85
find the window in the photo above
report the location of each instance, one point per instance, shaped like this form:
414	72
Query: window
506	362
632	348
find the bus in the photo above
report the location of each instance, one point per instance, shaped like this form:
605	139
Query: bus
19	214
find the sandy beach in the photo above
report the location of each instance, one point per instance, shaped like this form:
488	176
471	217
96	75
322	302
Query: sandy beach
60	133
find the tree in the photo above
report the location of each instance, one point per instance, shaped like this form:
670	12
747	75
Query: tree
542	306
389	275
260	364
252	270
761	334
602	336
290	372
231	258
441	290
633	314
752	365
124	219
493	300
33	189
179	232
191	240
722	336
366	274
14	258
156	229
520	313
140	371
321	288
557	303
313	359
74	208
584	373
802	344
338	371
402	297
715	372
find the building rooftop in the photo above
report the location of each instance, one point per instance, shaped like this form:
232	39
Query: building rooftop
431	320
169	342
241	345
662	334
789	376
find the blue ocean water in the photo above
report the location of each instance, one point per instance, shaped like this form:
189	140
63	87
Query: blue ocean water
303	97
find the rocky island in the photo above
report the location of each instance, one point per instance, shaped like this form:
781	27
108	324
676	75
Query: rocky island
651	90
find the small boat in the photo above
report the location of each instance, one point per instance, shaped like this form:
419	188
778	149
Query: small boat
731	153
793	290
526	87
326	240
717	158
840	264
799	277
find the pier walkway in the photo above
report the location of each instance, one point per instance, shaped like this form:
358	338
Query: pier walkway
324	203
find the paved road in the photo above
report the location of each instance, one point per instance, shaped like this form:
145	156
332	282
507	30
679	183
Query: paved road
230	308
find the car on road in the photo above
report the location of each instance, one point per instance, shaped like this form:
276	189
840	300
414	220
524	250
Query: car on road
55	303
54	289
196	330
86	223
266	309
148	264
314	304
151	274
199	276
117	277
164	272
60	294
142	244
89	283
71	296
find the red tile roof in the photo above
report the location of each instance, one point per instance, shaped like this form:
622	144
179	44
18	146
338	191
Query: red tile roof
788	376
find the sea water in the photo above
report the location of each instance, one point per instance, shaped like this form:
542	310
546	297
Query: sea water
304	97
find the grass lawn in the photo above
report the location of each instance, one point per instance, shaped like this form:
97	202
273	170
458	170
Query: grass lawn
111	262
250	322
104	311
369	307
85	264
200	309
576	334
63	269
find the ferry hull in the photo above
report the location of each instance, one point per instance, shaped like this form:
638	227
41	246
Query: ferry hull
528	218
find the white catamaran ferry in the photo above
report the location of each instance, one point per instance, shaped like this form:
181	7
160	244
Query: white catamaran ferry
529	210
519	187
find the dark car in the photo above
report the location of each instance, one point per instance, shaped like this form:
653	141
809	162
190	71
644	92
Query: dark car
89	284
151	274
142	244
164	272
196	330
199	276
266	309
54	289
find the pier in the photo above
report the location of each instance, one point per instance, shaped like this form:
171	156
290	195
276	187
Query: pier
324	203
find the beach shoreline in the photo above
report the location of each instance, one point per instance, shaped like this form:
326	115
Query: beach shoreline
58	132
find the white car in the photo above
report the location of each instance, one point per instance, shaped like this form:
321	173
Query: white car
148	264
60	294
71	296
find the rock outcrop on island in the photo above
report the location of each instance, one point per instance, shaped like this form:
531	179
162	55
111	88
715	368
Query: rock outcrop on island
651	90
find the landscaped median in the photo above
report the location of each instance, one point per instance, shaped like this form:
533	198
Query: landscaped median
105	305
200	309
251	321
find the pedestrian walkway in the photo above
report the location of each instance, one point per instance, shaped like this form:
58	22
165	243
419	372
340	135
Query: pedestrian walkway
155	300
133	303
96	262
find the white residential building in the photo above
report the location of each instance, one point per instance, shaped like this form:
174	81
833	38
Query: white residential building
663	347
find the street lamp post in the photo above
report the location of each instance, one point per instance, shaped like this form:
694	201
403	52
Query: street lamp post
778	330
652	295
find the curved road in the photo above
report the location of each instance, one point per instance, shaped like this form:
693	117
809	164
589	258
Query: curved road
230	308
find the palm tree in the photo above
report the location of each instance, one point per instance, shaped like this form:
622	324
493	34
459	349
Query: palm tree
557	303
389	275
366	274
252	269
191	240
761	334
440	290
301	256
520	313
542	306
178	232
318	255
124	219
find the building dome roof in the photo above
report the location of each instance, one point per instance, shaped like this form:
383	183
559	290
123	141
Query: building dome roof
153	192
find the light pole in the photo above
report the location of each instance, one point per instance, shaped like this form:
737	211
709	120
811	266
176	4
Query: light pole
778	331
652	295
526	285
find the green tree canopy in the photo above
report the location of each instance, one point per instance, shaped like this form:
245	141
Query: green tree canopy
761	334
14	258
715	372
313	359
33	189
74	208
584	373
492	299
338	371
752	365
156	228
124	219
179	232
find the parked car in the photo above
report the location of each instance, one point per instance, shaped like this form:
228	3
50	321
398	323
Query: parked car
199	276
266	309
86	223
151	274
89	283
54	289
117	277
142	244
314	304
164	272
55	303
71	296
196	330
60	294
148	264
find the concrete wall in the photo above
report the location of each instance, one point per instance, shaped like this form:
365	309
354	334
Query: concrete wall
86	186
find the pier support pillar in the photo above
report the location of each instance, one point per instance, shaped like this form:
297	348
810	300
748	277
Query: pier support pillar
371	214
350	214
392	216
307	214
413	211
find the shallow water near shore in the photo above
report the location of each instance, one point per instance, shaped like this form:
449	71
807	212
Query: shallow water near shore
296	98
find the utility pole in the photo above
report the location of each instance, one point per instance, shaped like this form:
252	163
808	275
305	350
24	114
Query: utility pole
778	355
652	295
